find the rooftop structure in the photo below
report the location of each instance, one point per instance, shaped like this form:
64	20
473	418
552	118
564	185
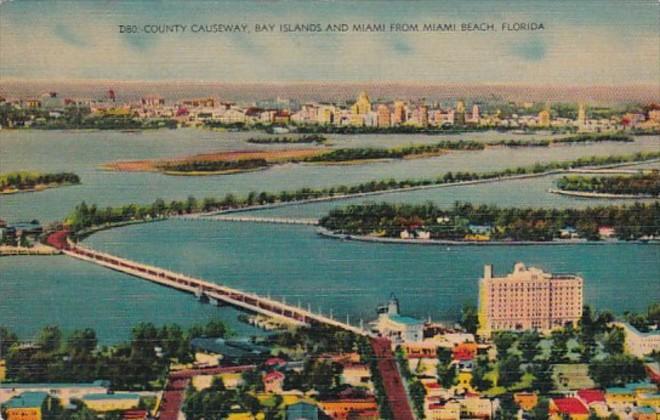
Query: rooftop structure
639	343
396	327
528	299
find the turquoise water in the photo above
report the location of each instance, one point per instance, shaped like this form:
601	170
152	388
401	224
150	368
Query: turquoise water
289	261
531	192
82	152
295	263
58	290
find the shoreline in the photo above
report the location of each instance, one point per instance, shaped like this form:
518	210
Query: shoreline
36	249
446	242
585	194
37	188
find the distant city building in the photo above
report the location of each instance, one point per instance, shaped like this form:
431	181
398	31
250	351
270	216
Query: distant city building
544	118
397	328
581	116
383	112
476	116
423	116
399	115
362	106
640	343
459	114
528	299
153	101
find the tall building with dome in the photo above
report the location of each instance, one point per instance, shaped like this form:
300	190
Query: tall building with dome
362	105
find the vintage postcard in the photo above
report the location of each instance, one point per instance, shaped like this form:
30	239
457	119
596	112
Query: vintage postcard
329	209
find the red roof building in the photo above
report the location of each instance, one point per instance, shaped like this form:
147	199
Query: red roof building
589	396
275	362
135	414
570	406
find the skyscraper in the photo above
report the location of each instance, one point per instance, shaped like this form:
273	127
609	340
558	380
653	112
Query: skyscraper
399	115
459	115
383	112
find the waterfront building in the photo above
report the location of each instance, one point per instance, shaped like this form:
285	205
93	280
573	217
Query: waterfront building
528	299
397	328
399	115
362	105
325	114
383	112
459	113
544	118
639	343
423	116
26	406
152	101
476	116
654	115
199	103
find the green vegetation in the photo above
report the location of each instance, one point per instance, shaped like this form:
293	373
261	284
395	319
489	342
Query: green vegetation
503	224
469	318
85	216
618	369
578	138
215	165
368	356
23	180
643	184
416	390
309	138
364	153
217	402
76	357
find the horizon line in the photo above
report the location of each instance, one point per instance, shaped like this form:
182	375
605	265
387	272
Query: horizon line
340	82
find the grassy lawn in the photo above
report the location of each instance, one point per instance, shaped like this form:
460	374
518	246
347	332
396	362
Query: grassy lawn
572	376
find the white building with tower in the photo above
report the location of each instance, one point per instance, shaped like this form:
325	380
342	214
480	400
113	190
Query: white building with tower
393	325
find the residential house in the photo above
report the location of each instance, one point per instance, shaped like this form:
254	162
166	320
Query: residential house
273	381
26	406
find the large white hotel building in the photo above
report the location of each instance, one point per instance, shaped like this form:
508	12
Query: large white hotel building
528	299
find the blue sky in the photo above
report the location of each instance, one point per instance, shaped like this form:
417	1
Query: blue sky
584	43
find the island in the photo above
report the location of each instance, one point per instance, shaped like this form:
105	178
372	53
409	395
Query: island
308	138
23	181
470	223
643	185
224	163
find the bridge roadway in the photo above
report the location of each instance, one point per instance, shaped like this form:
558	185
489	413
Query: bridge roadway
253	219
214	292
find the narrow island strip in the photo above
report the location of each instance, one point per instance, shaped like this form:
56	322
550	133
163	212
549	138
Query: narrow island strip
636	186
225	163
24	181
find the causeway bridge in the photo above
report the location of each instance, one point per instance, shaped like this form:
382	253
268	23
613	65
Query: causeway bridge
253	219
215	293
